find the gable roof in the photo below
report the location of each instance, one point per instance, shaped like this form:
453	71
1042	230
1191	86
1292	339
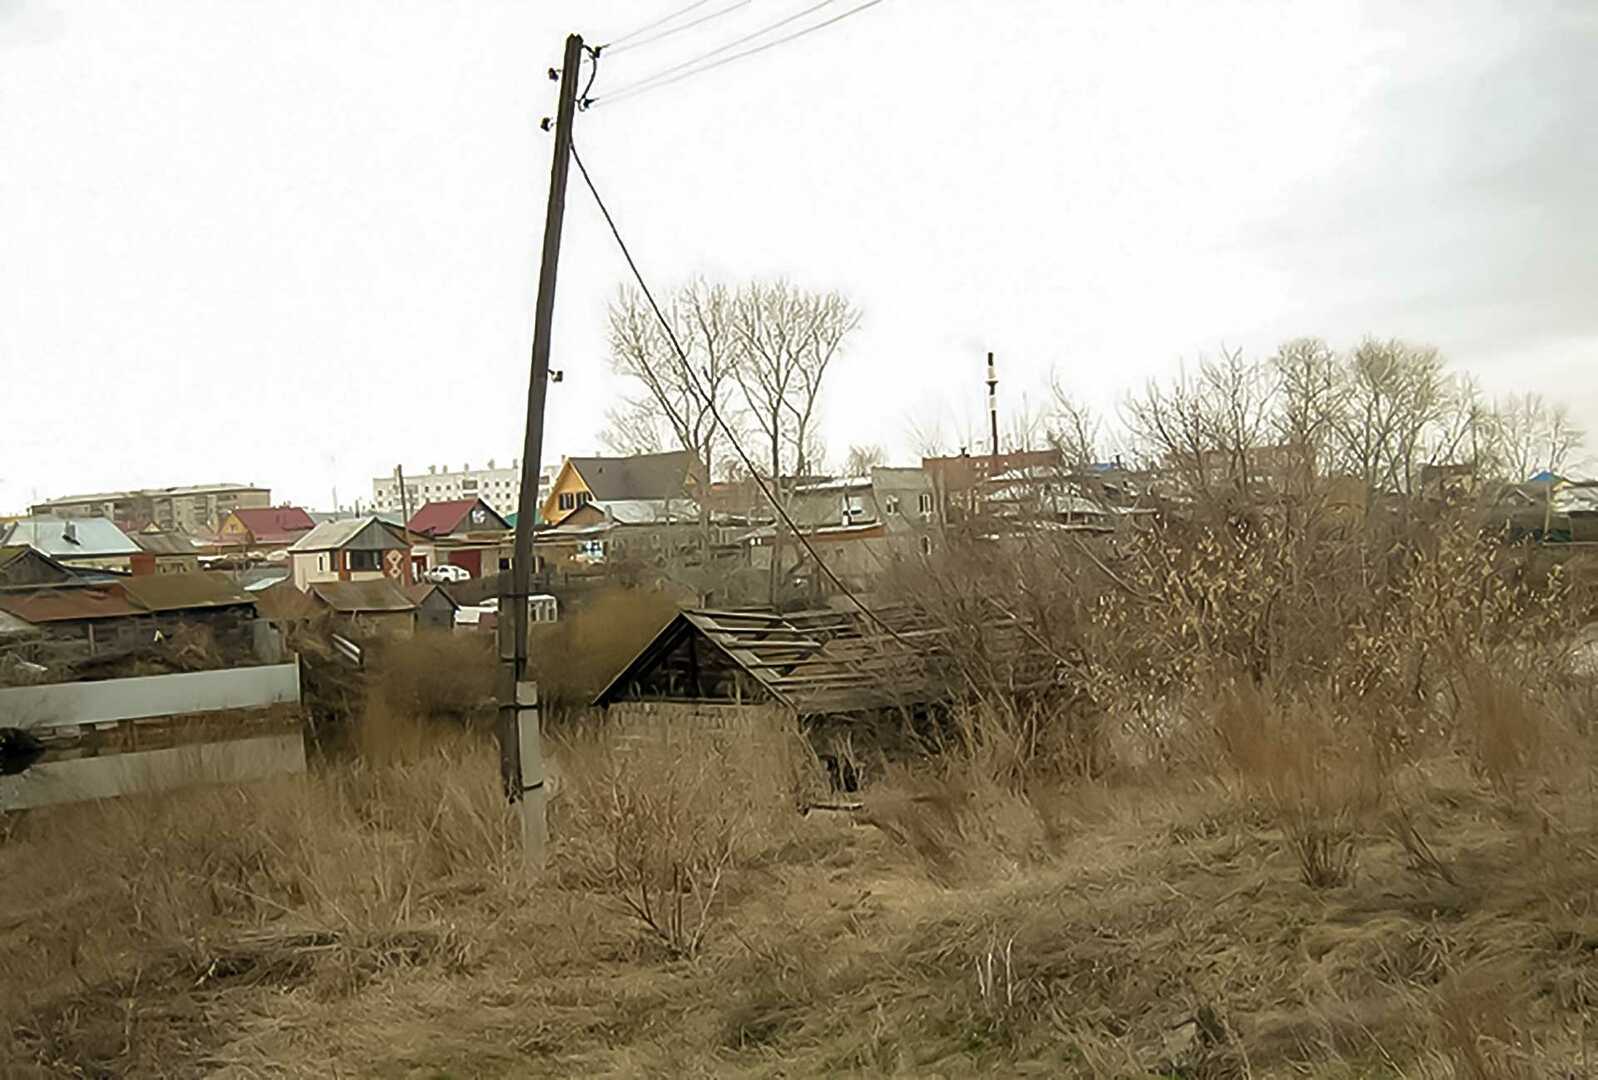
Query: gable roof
71	538
332	535
453	516
642	476
19	561
274	524
814	662
164	543
420	591
360	597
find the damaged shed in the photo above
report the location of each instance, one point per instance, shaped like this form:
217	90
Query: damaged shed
812	663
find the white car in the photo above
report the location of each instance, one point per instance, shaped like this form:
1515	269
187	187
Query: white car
447	574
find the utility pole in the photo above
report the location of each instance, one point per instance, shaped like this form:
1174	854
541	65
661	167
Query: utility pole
521	758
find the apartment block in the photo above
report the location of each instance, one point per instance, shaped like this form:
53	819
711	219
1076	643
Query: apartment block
499	486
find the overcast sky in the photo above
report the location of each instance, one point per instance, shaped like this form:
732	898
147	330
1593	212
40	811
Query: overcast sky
295	242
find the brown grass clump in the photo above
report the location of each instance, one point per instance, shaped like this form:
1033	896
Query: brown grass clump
1319	784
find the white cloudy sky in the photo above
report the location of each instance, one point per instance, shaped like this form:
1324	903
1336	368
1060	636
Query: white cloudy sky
295	242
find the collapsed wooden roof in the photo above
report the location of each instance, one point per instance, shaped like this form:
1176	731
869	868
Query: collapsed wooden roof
814	662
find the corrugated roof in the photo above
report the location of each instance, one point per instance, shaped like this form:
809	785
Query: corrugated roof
648	511
185	592
165	543
275	524
71	538
642	476
356	597
69	603
455	515
336	534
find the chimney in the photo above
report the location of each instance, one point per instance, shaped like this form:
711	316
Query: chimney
69	532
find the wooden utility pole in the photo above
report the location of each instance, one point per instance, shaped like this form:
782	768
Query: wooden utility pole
520	749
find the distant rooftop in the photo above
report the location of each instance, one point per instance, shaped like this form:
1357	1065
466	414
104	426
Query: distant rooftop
70	538
113	496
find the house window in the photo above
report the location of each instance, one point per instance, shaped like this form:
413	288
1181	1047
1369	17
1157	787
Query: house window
926	545
925	502
321	562
593	549
893	504
571	500
365	560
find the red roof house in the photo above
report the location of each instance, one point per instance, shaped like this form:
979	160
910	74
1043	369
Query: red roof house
265	526
454	517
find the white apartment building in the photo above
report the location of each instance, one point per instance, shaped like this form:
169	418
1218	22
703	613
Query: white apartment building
498	486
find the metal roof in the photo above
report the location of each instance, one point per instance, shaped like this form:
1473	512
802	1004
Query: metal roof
165	543
332	535
649	511
358	597
274	524
642	476
71	538
69	603
455	515
185	592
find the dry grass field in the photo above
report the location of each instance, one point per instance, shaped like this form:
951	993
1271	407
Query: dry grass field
1339	841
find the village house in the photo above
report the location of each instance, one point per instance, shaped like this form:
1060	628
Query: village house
117	615
263	528
355	549
367	608
858	526
435	607
659	481
164	552
88	542
467	533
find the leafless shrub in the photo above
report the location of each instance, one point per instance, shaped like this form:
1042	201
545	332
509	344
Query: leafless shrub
655	820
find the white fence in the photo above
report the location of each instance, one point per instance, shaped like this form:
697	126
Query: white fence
235	761
111	700
88	770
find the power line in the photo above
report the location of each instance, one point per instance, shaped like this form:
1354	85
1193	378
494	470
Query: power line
677	72
615	47
662	21
754	473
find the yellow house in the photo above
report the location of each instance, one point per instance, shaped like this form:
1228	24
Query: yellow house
641	478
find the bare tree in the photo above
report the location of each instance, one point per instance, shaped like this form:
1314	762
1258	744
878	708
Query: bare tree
861	459
1026	428
1074	430
1313	395
684	396
787	339
636	426
1208	428
1397	397
1529	435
